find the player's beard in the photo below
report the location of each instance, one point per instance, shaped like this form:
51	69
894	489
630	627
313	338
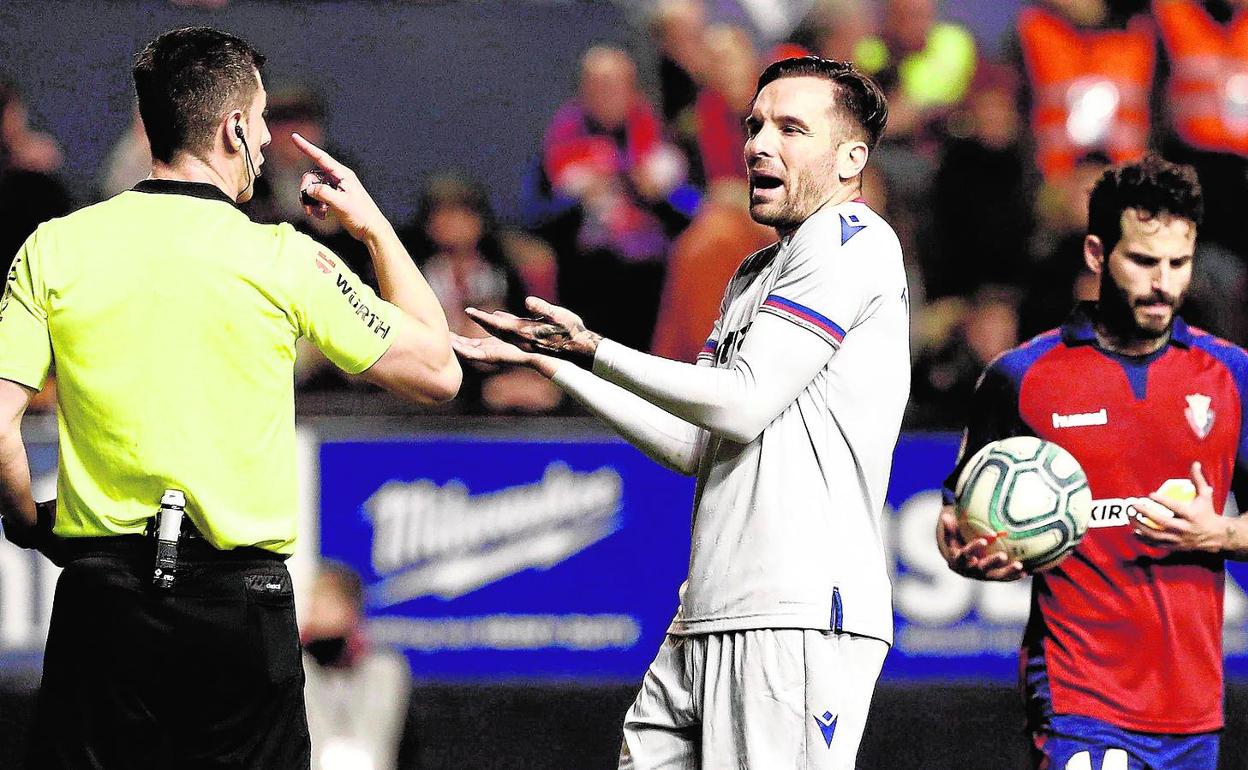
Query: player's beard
1116	310
806	190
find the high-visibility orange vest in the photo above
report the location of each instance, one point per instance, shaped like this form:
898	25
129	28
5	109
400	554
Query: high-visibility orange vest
1090	89
1208	85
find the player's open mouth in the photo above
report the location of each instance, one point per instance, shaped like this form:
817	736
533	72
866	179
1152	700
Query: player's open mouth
764	187
762	181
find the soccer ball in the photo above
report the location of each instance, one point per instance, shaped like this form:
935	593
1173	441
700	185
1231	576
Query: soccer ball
1028	496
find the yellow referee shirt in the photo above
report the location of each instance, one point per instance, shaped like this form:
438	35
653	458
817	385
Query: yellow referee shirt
170	319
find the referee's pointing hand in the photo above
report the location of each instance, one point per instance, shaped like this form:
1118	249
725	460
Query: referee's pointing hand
336	188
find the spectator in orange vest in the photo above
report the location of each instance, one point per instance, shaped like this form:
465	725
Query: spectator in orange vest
1090	79
1206	48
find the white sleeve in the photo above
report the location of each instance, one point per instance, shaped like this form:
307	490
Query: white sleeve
827	288
666	439
777	361
823	291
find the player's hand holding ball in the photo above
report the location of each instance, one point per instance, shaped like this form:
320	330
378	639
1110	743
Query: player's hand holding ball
1180	516
975	558
1025	502
332	187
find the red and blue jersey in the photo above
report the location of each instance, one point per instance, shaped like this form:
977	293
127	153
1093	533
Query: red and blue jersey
1123	631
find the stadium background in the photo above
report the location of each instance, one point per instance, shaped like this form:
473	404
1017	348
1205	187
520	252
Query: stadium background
527	634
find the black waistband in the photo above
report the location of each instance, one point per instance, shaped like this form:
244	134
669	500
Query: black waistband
144	547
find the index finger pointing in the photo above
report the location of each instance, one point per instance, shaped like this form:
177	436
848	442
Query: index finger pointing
318	156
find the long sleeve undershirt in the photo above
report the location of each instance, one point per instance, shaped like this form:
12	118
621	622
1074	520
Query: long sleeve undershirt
666	439
777	361
662	406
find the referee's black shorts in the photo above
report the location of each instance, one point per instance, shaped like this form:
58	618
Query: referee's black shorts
208	675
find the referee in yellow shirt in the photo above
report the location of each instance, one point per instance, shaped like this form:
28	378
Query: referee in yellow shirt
171	320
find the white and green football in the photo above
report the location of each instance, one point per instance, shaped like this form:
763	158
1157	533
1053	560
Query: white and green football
1028	496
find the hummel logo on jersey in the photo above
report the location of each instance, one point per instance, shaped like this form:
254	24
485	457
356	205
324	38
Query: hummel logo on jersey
1080	420
850	227
827	726
1199	415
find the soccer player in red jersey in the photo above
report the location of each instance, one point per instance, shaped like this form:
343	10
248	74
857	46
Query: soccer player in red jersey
1121	663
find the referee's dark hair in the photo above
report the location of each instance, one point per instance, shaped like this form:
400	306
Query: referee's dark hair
857	97
187	80
1153	186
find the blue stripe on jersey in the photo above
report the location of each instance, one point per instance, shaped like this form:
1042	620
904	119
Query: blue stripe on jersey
805	313
838	611
1235	359
1136	368
1015	363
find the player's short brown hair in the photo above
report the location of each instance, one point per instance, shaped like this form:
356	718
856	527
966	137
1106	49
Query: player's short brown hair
857	97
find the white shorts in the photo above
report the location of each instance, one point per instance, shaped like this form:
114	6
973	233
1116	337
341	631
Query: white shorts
786	698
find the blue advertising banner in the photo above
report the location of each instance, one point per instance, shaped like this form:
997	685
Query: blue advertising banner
497	559
490	559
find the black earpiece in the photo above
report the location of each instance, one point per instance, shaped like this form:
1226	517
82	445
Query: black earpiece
251	170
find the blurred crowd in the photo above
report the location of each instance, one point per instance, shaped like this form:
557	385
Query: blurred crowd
634	209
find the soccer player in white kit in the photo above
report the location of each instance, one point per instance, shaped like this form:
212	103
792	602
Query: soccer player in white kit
789	420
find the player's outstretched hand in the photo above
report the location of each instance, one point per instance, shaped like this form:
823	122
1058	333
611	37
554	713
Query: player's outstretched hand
973	559
334	187
554	331
490	353
1180	524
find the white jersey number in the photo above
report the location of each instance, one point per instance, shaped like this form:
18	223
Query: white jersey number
1115	759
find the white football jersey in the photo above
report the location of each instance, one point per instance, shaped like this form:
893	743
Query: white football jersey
787	529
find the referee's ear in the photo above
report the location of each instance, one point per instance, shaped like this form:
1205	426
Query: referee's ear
232	131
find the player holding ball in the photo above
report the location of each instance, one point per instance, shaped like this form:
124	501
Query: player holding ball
1122	656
